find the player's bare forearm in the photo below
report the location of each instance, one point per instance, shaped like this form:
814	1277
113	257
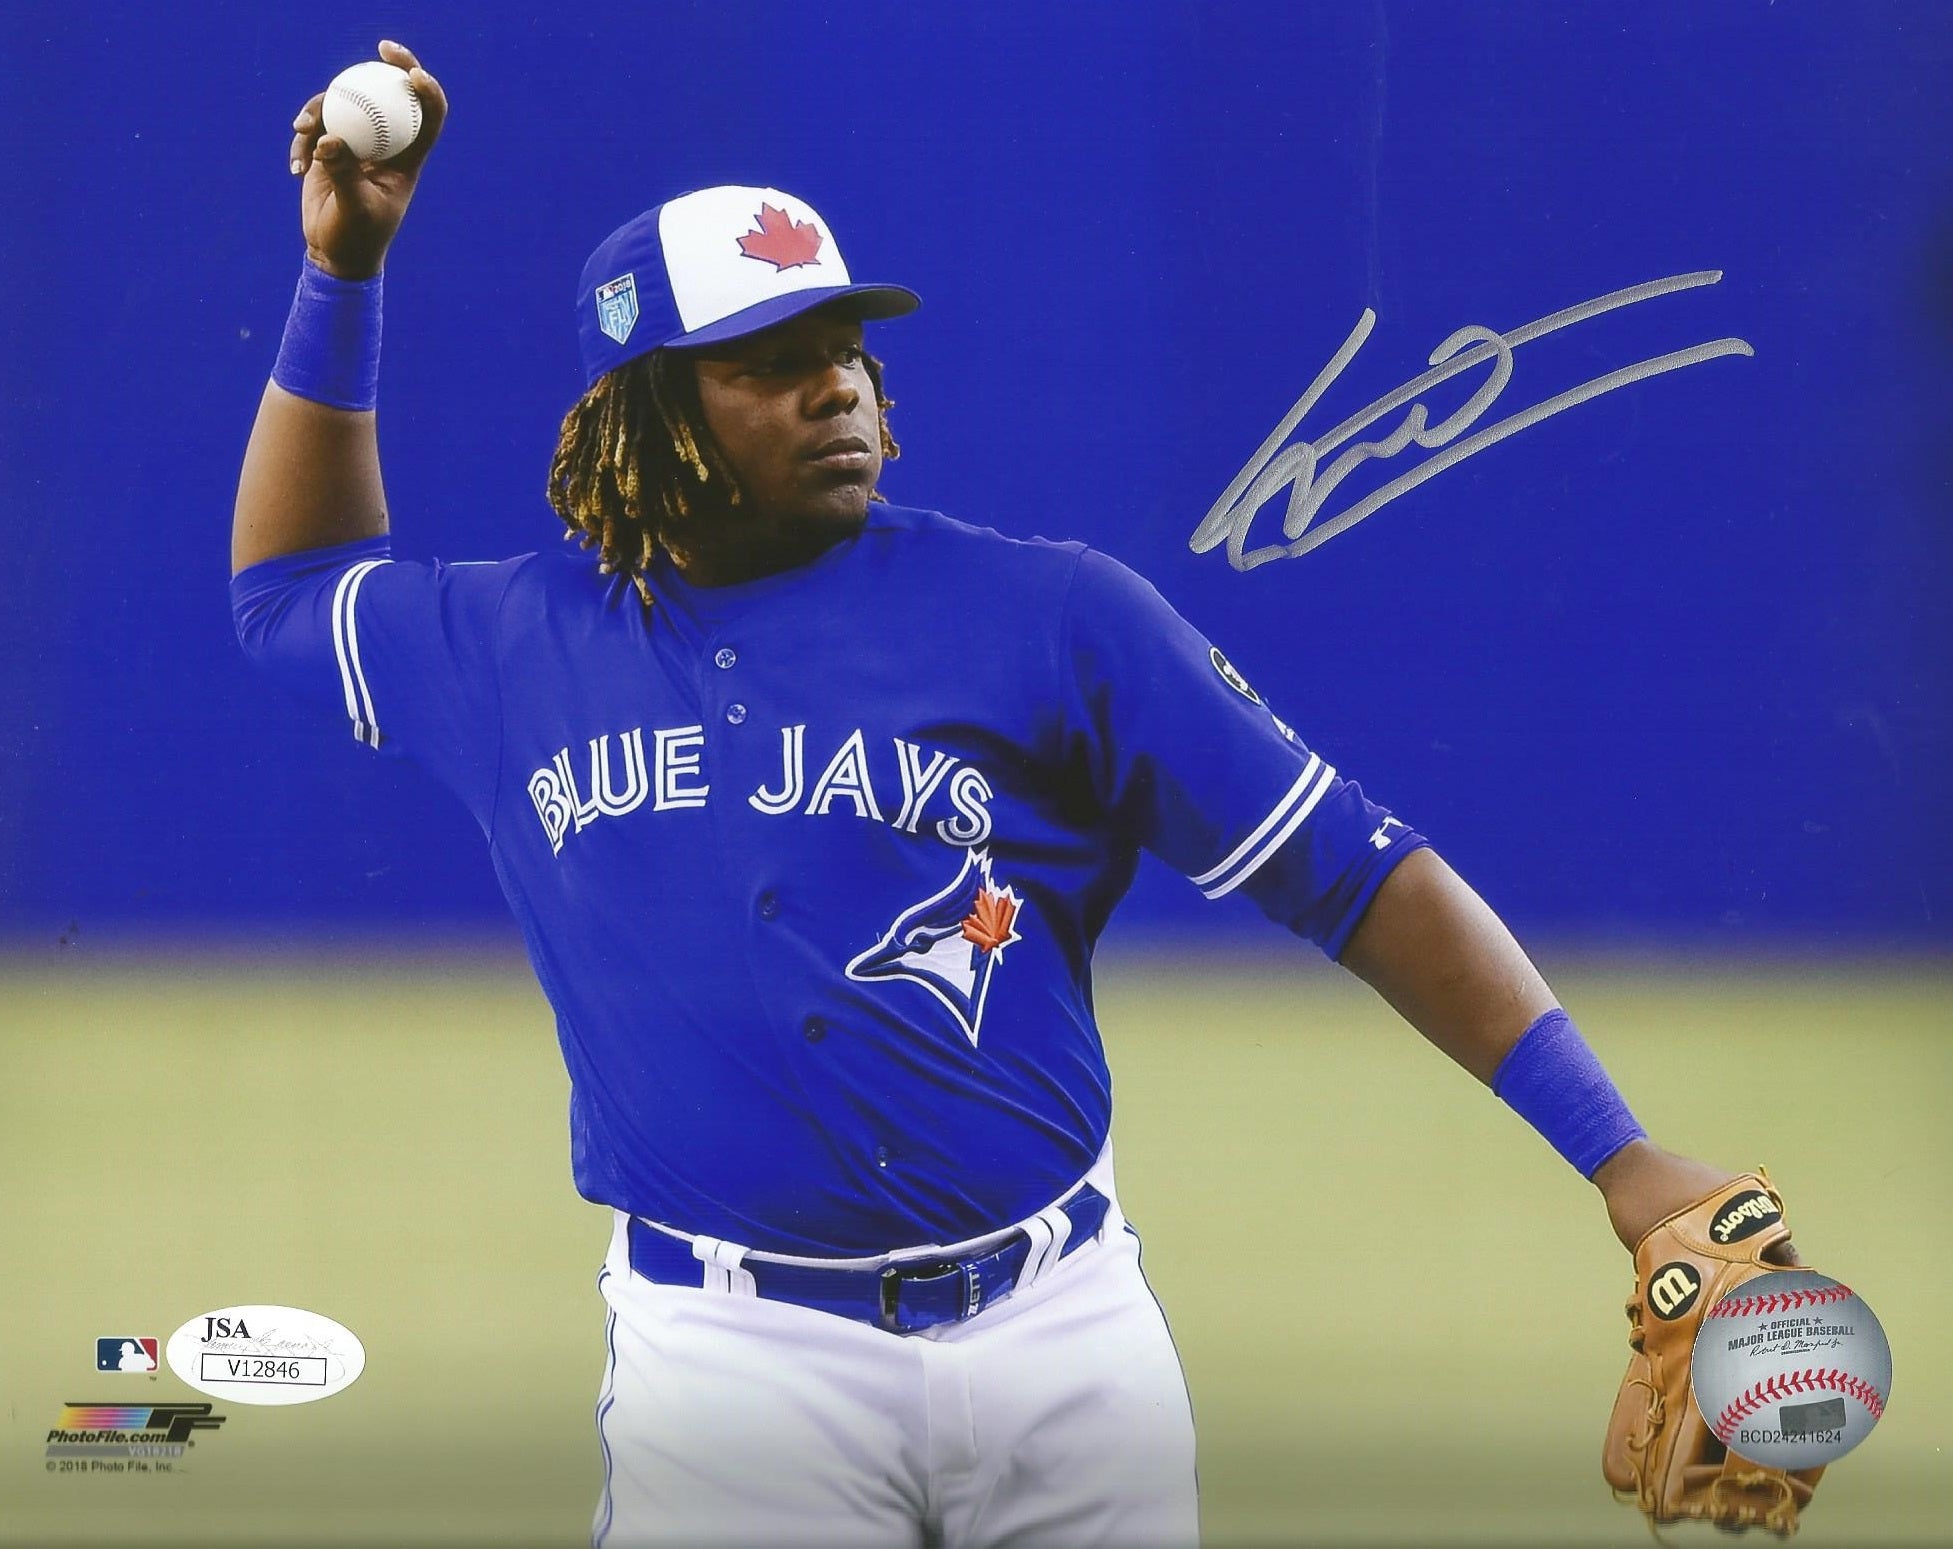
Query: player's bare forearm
311	477
1438	954
1434	949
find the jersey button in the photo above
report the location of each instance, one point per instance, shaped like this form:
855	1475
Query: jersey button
881	1156
735	713
769	905
814	1028
726	657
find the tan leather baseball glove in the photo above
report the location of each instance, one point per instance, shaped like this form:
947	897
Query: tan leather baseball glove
1659	1450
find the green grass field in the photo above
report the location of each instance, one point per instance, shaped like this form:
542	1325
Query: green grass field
1400	1314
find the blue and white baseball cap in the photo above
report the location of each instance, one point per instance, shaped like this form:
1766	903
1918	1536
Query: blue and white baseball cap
713	265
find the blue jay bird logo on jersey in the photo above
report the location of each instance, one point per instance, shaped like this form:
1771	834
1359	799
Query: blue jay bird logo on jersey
950	943
617	307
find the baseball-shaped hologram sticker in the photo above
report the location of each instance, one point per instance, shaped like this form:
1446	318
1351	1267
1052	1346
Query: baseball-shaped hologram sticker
261	1354
374	108
1791	1370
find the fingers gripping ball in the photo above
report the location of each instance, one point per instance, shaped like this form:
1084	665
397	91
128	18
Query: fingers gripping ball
1791	1370
373	108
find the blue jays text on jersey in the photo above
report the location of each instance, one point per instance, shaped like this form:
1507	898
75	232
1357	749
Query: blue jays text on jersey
811	867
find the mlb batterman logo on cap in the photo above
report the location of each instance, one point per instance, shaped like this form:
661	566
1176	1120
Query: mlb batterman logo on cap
709	266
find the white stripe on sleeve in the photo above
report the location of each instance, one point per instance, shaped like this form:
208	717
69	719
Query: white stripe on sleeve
1281	810
1297	811
345	644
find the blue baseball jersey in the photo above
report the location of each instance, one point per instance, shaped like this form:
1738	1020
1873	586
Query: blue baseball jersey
811	867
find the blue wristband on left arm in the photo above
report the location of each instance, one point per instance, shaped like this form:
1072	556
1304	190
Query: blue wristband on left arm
1553	1081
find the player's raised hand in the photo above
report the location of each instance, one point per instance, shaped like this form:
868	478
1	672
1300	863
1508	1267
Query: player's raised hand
350	209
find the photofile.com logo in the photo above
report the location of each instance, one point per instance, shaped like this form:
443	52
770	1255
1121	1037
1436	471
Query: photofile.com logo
126	1430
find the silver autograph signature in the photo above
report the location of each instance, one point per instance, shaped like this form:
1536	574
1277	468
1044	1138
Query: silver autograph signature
1300	469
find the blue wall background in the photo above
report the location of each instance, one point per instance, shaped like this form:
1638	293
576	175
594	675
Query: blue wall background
1672	665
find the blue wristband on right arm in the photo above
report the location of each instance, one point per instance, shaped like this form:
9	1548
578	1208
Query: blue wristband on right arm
1553	1081
331	349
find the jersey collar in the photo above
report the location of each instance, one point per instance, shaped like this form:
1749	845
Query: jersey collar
709	606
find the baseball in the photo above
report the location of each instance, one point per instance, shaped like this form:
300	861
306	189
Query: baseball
1791	1369
374	109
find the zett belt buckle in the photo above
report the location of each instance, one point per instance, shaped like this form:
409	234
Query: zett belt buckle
929	1272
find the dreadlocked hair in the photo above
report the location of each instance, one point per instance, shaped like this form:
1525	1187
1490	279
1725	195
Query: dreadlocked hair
636	470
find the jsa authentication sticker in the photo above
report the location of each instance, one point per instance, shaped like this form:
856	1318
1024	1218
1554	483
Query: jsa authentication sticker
266	1355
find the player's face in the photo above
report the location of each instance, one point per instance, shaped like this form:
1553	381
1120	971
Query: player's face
794	411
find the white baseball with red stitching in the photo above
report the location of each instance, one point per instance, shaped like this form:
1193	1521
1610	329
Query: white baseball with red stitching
372	107
1791	1369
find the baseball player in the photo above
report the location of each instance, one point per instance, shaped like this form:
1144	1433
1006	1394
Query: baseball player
811	808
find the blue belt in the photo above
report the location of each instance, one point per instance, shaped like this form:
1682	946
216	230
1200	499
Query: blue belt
901	1298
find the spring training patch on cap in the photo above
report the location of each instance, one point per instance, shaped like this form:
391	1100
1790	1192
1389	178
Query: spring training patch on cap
617	307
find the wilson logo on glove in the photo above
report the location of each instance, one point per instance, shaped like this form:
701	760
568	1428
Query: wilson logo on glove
1744	1216
1672	1290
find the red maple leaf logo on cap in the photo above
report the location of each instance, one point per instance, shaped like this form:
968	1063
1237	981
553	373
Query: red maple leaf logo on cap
781	240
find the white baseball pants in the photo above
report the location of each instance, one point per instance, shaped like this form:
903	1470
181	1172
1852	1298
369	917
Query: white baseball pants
1057	1418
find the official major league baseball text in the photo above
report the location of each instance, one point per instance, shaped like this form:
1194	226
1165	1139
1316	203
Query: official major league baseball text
1792	1369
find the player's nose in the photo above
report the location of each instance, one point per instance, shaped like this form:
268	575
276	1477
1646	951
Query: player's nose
834	391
